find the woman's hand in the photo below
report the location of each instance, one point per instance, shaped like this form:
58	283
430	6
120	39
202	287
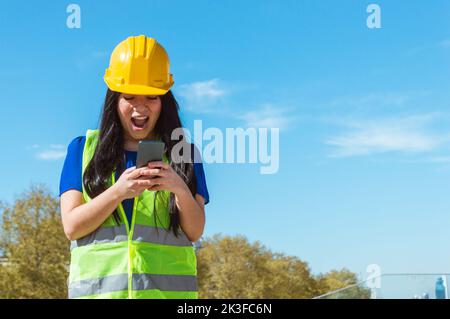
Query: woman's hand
165	178
133	182
192	213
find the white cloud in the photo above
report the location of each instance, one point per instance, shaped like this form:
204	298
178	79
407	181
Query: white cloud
52	152
209	97
268	116
408	134
202	97
209	88
380	140
51	155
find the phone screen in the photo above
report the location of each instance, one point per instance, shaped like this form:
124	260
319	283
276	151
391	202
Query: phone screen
149	151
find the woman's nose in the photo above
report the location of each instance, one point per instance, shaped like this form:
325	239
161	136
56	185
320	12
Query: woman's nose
139	104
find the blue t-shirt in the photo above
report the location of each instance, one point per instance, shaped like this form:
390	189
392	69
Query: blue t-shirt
71	173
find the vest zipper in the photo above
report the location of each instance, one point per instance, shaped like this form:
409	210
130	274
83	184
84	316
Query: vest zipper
131	250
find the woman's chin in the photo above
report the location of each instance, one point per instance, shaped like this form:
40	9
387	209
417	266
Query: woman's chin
138	134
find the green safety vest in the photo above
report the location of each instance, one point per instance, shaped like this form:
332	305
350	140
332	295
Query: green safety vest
141	260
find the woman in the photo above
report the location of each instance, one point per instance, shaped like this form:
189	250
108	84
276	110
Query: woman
132	228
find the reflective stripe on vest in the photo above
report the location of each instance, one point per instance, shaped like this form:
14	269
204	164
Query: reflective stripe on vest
114	283
141	260
142	233
159	235
102	235
89	287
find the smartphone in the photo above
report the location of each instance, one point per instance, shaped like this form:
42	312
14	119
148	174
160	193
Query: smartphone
149	151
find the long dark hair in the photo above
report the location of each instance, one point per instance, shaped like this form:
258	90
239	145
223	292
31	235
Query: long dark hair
109	152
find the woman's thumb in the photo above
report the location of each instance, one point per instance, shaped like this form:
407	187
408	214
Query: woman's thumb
130	169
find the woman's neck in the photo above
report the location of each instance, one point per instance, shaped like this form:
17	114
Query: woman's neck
131	144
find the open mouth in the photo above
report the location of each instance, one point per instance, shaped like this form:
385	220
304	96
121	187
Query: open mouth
139	122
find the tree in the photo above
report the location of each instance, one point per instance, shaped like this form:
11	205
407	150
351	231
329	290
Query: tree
335	280
33	242
35	253
231	267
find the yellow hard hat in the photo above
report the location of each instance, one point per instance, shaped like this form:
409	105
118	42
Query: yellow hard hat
139	65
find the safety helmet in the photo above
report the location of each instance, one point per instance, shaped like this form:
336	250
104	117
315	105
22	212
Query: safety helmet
139	65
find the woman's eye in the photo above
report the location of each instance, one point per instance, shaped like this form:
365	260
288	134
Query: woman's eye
152	98
128	98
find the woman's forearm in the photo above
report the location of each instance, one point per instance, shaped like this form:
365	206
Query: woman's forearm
86	218
192	216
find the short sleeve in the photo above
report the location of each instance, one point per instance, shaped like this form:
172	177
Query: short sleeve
71	172
202	189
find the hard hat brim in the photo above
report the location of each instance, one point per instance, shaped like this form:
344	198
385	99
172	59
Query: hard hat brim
136	89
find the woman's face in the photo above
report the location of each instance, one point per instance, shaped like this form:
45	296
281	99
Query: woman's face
138	115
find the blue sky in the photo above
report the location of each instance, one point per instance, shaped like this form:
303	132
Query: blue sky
364	114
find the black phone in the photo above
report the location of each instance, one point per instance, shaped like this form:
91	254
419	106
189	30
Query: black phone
149	151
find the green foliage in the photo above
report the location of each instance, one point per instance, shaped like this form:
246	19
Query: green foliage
34	246
231	267
35	256
335	280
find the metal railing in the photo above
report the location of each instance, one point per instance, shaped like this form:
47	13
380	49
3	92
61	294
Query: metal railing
395	286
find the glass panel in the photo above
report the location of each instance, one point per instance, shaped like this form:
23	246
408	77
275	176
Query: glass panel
396	286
